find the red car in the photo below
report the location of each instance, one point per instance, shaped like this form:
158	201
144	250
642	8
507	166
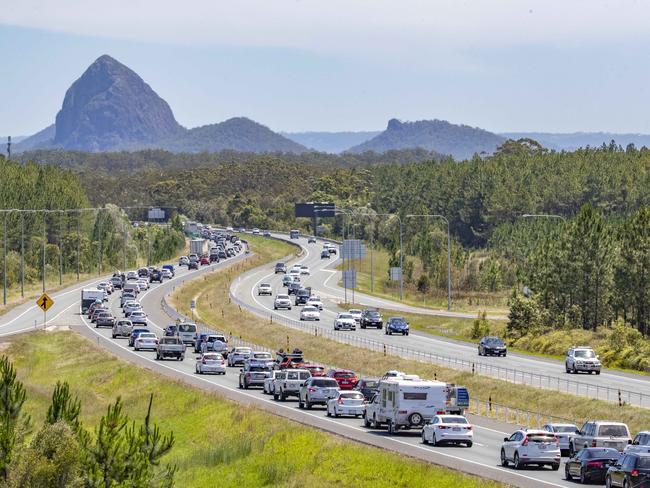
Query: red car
346	379
314	369
205	260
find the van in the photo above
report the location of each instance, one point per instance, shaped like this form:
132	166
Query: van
294	234
187	332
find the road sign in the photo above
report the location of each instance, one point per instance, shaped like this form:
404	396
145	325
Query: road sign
396	274
193	304
352	249
349	278
315	209
45	302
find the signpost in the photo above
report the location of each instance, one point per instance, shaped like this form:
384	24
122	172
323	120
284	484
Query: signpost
313	210
193	306
44	302
396	273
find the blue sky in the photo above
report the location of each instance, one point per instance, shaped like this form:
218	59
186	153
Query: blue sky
504	65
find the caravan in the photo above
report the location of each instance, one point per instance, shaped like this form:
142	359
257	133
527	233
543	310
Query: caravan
410	403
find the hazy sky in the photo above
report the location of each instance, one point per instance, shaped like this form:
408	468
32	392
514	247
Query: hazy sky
567	65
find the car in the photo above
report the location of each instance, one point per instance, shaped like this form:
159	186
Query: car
304	270
105	287
204	261
531	446
600	433
194	257
116	281
563	432
171	330
582	358
214	257
183	261
448	429
222	254
143	273
266	233
344	321
131	306
143	283
317	391
282	301
210	362
332	249
371	317
293	288
262	357
289	382
591	464
269	382
492	346
138	317
302	296
253	374
166	274
264	289
631	471
145	340
640	443
96	312
309	313
238	355
293	272
170	347
346	379
315	301
170	268
346	403
287	280
311	240
325	254
397	325
105	319
193	265
122	328
131	275
209	342
356	315
135	332
367	387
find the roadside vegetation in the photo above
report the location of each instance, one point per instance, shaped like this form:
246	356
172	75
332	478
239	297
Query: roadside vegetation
215	441
214	308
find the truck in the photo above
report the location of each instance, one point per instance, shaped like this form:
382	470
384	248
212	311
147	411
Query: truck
170	347
289	382
198	247
404	403
294	234
90	296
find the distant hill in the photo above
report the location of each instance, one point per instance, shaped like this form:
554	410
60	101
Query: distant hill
110	108
575	140
237	134
459	141
331	142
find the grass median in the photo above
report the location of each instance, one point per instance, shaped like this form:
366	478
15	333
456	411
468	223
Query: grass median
214	308
218	442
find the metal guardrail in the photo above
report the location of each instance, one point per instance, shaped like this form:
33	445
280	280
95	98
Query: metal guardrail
511	375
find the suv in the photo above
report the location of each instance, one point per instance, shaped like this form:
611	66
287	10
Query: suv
641	443
264	289
397	325
581	358
492	346
632	471
531	446
599	433
282	301
289	383
280	268
302	295
253	373
371	318
155	275
317	391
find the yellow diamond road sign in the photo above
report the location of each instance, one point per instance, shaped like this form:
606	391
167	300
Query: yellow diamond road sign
45	302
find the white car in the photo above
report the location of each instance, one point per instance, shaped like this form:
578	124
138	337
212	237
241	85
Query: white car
145	340
345	321
106	287
531	446
563	432
346	403
264	289
256	232
356	315
166	274
641	443
448	429
314	302
138	317
304	270
131	306
282	301
131	275
309	313
143	284
269	383
210	362
238	355
294	273
183	261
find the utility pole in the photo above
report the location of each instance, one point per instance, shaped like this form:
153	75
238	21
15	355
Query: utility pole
4	254
78	241
8	148
22	255
44	241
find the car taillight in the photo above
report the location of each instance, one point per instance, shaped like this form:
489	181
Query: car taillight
402	411
469	427
440	412
556	440
311	390
525	443
634	473
442	427
594	464
203	361
340	400
593	443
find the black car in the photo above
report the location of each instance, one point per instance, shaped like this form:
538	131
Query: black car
371	318
214	257
199	339
302	295
223	255
280	268
368	387
631	471
171	330
155	275
193	265
143	273
397	325
324	254
492	346
293	288
591	464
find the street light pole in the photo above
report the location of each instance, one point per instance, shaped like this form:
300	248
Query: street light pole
4	253
44	241
438	216
22	255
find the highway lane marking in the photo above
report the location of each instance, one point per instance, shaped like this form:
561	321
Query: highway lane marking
326	419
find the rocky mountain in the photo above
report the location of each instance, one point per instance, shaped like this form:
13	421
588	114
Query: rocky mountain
459	141
110	108
330	142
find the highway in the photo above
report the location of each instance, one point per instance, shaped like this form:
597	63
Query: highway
481	459
546	373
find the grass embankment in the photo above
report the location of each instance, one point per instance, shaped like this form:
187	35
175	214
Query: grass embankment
214	309
463	301
218	442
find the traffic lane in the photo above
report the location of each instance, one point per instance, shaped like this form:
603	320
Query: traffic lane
475	460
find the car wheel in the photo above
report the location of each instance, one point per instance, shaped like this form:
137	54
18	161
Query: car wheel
392	428
415	419
517	462
424	438
626	484
556	467
597	372
567	473
283	397
375	423
301	404
275	397
114	336
245	385
469	444
308	404
136	348
608	482
504	461
583	478
182	358
572	450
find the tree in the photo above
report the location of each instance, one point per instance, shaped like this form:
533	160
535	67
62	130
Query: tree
524	315
13	423
64	407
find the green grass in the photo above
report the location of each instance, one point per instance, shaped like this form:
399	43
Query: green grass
218	442
215	309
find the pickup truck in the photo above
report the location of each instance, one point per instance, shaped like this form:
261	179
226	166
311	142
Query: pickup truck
170	347
289	382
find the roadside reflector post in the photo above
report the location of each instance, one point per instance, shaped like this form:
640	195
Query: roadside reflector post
472	369
490	401
287	342
384	349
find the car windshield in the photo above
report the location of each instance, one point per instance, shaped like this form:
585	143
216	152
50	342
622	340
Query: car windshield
371	384
283	297
147	335
325	383
259	368
262	355
612	431
354	312
494	341
643	463
212	357
310	309
373	314
243	350
453	420
352	395
397	320
265	285
187	328
344	374
585	353
565	428
345	316
124	322
606	453
541	437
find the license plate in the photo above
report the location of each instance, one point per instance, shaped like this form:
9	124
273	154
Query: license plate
456	429
542	447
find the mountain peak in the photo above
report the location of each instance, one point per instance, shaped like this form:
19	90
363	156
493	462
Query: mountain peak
110	106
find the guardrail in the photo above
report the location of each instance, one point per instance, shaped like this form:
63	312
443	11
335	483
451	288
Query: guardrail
511	375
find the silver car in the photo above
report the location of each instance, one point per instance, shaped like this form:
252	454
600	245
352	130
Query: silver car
317	391
269	383
641	443
210	363
146	340
238	355
601	433
282	301
346	403
564	434
582	358
531	446
122	328
345	321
